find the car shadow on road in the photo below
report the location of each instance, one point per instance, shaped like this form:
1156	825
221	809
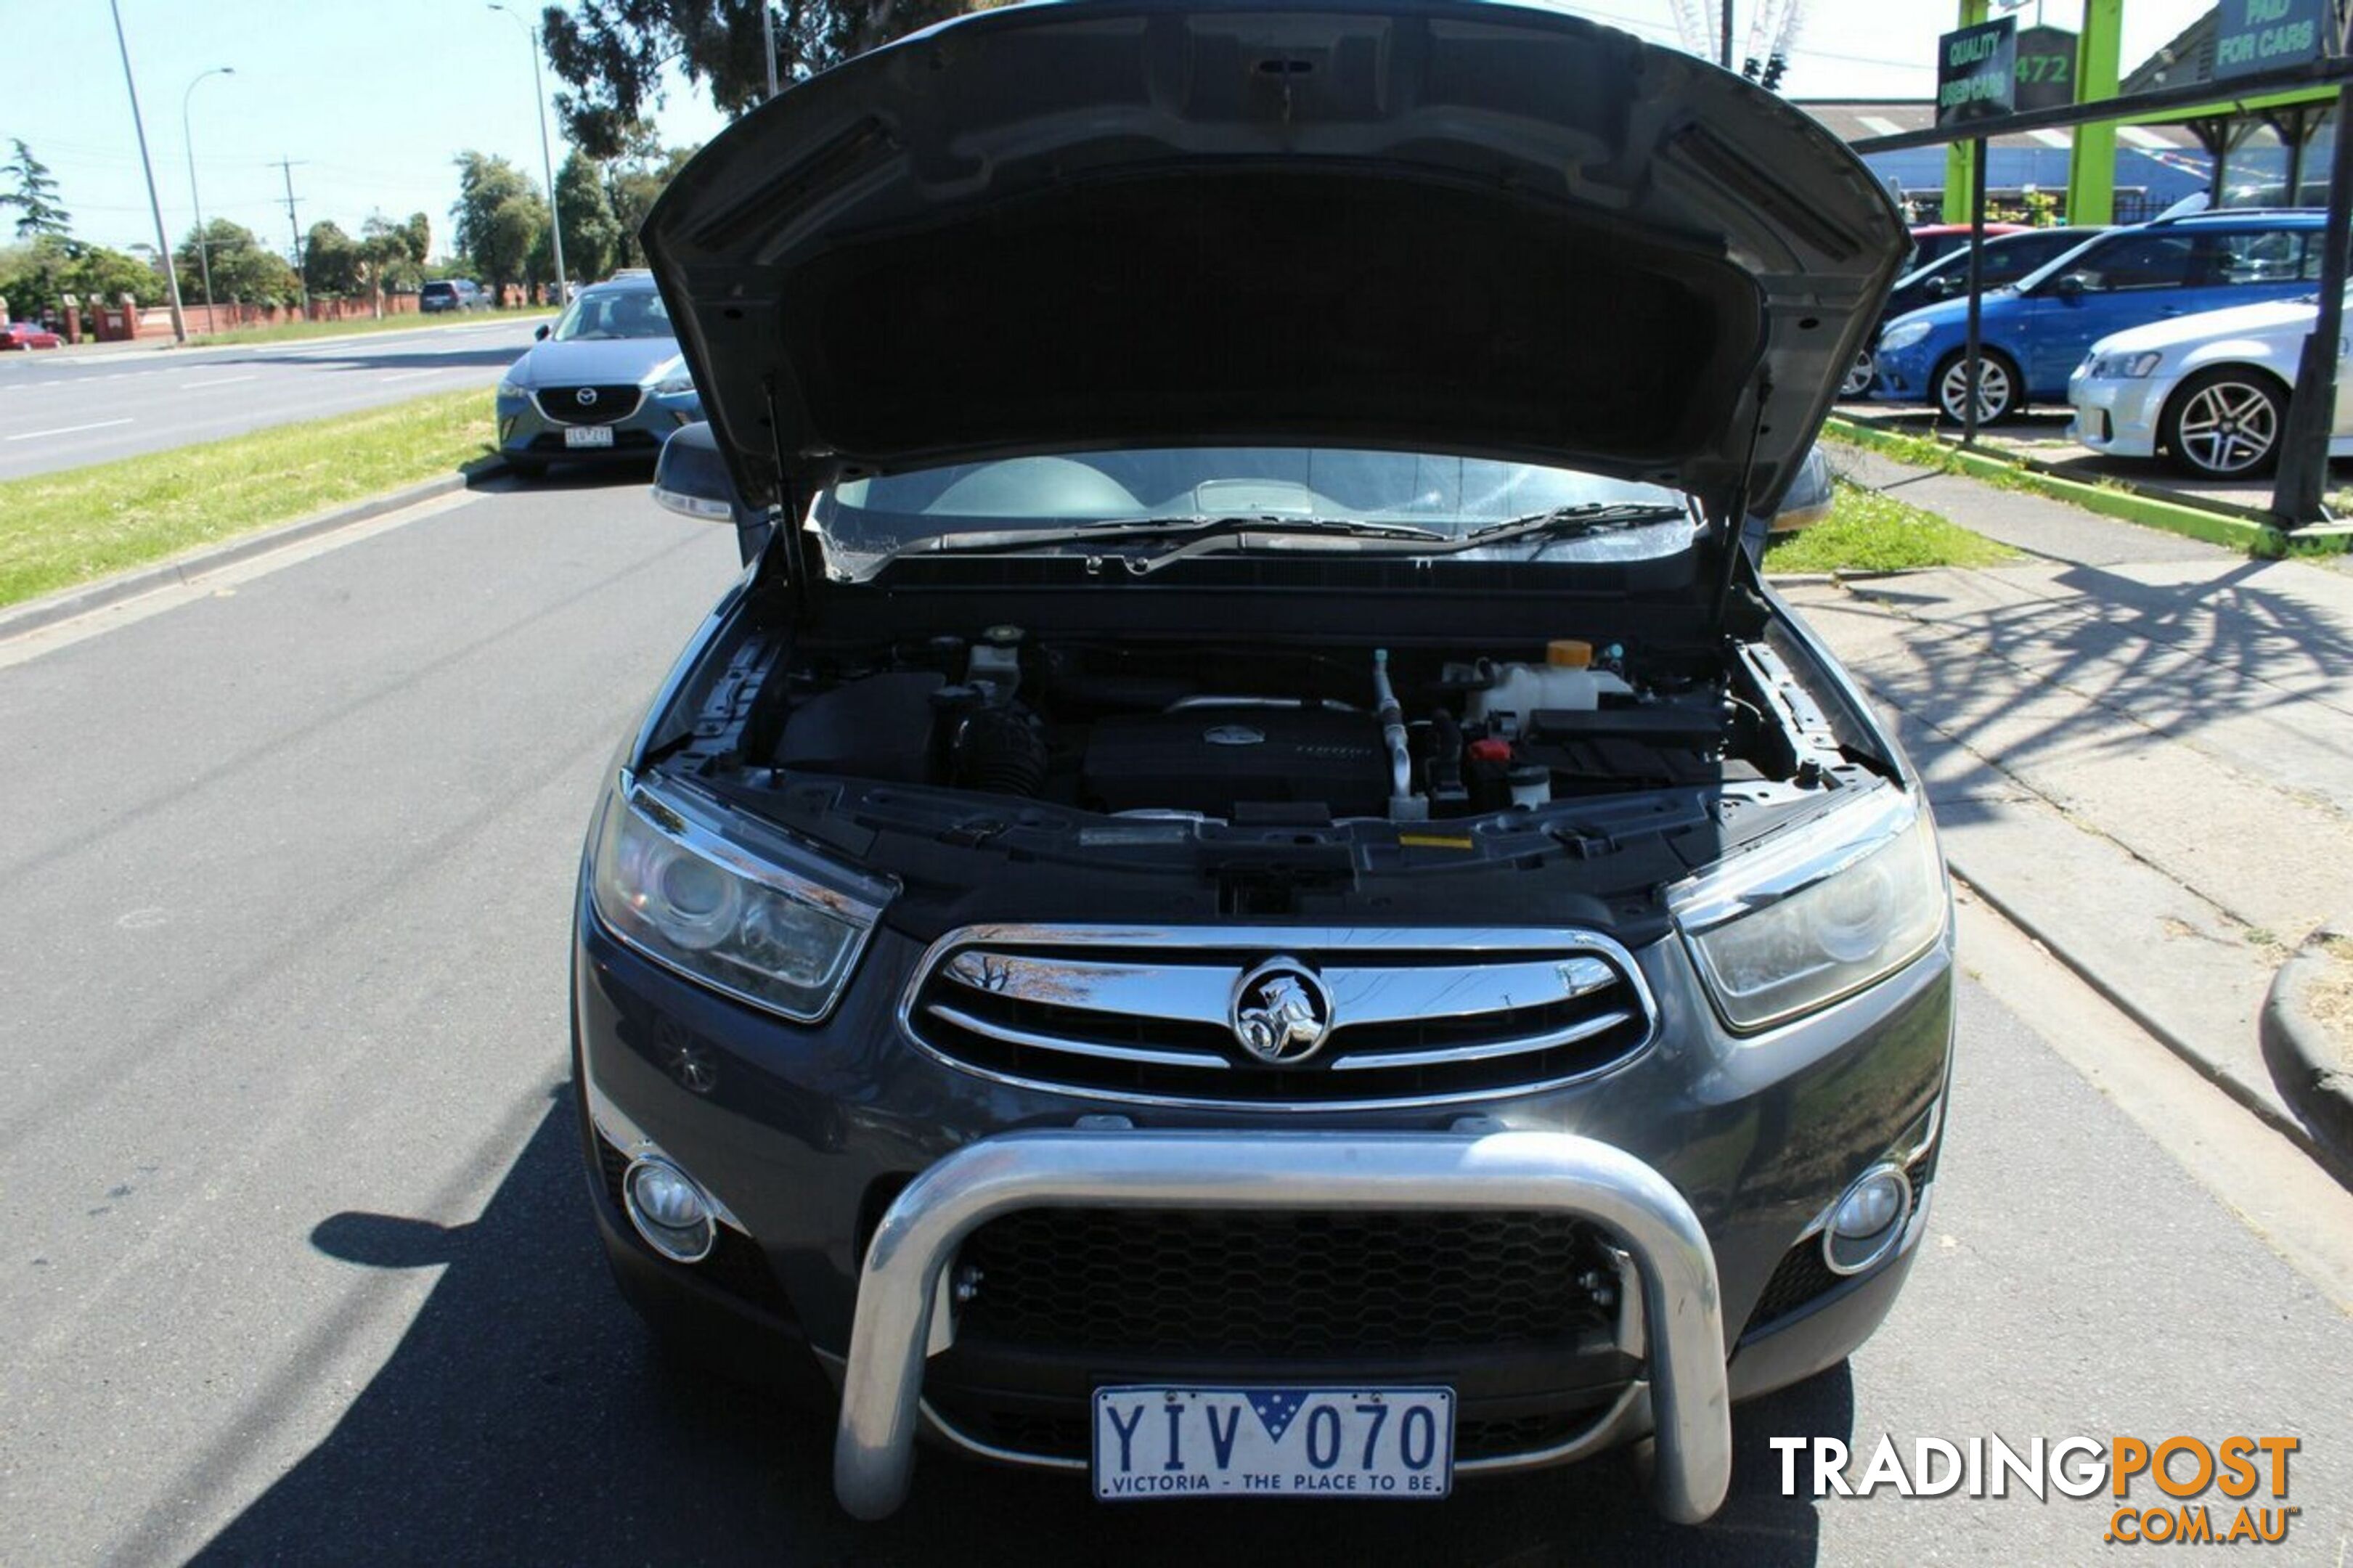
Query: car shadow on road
525	1417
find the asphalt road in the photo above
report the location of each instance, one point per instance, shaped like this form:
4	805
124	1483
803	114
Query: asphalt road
299	1267
62	410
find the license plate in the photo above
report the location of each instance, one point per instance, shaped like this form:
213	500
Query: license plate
588	435
1161	1442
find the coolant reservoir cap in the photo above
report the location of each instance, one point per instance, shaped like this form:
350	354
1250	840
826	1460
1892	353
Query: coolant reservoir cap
1002	637
1568	653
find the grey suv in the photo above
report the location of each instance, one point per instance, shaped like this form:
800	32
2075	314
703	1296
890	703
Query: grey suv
1251	896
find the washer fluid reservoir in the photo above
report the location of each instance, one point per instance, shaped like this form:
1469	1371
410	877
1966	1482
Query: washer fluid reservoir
1521	690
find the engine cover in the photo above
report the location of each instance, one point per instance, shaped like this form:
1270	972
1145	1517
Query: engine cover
1208	759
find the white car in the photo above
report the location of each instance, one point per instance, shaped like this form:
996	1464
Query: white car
2209	390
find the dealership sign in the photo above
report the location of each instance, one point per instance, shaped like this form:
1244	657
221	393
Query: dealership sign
2046	68
1977	76
2268	35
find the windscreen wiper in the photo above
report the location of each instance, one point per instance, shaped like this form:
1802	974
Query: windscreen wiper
1574	521
1188	528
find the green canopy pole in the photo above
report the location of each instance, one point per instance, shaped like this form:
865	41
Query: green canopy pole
2092	167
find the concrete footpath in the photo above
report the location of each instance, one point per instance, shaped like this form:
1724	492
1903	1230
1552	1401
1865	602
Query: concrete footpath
2140	749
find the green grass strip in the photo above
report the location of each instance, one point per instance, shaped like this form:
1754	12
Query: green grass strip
2108	498
1868	531
63	530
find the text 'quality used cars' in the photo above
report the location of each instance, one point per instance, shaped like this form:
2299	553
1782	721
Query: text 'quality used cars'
1252	895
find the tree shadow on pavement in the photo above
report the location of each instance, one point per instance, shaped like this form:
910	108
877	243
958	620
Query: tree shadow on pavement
525	1417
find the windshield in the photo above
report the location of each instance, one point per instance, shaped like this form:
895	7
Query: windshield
1290	491
622	313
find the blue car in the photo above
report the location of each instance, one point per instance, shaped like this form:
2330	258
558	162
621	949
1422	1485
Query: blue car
2036	334
606	383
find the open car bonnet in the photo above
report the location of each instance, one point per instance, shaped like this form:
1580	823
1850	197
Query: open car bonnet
1478	229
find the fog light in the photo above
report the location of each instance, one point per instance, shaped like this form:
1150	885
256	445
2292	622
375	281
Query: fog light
1868	1221
668	1210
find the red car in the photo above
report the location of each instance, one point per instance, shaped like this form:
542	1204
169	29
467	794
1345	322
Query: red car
1933	241
28	335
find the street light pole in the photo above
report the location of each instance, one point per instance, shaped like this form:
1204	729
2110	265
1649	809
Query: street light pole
204	251
147	167
546	157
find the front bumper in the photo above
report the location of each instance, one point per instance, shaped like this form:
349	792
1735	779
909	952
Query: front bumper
525	430
1901	376
860	1161
2119	415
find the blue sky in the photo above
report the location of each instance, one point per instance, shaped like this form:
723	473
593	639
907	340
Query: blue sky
373	100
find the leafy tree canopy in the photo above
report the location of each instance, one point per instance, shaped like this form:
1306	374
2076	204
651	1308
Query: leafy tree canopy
243	267
592	234
37	274
330	261
632	185
500	215
34	195
611	52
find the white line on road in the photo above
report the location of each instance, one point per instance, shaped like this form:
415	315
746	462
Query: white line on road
412	375
225	381
64	430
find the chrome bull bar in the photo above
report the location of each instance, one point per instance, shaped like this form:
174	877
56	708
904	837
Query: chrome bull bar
873	1450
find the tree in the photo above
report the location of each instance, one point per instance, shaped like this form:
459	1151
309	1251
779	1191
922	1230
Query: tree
392	254
500	215
34	196
243	267
632	186
612	52
40	272
332	263
592	236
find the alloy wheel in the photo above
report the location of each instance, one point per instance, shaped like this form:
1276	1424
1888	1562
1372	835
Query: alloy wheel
2228	428
1996	394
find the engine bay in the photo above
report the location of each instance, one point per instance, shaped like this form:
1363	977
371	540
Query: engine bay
1281	735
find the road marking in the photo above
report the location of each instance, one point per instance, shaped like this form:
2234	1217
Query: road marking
225	381
64	430
412	375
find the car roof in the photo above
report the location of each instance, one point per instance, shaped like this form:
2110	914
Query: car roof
2248	217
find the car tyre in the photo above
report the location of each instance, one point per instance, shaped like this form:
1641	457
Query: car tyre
1858	376
2225	423
1998	389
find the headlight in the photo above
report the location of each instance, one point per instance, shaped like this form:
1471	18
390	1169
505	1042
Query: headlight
671	385
509	387
729	904
1902	335
1795	926
2109	367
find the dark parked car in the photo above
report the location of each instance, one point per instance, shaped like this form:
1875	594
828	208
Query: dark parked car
2008	259
450	294
1252	895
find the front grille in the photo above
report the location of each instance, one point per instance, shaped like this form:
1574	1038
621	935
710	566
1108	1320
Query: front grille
563	404
1413	1015
1249	1286
1800	1277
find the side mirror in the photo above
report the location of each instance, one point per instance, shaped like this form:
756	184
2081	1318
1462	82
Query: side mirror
1809	497
691	479
2070	289
540	332
1945	288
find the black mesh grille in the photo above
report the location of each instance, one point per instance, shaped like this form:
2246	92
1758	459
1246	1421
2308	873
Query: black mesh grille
606	405
1800	1277
1284	1285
